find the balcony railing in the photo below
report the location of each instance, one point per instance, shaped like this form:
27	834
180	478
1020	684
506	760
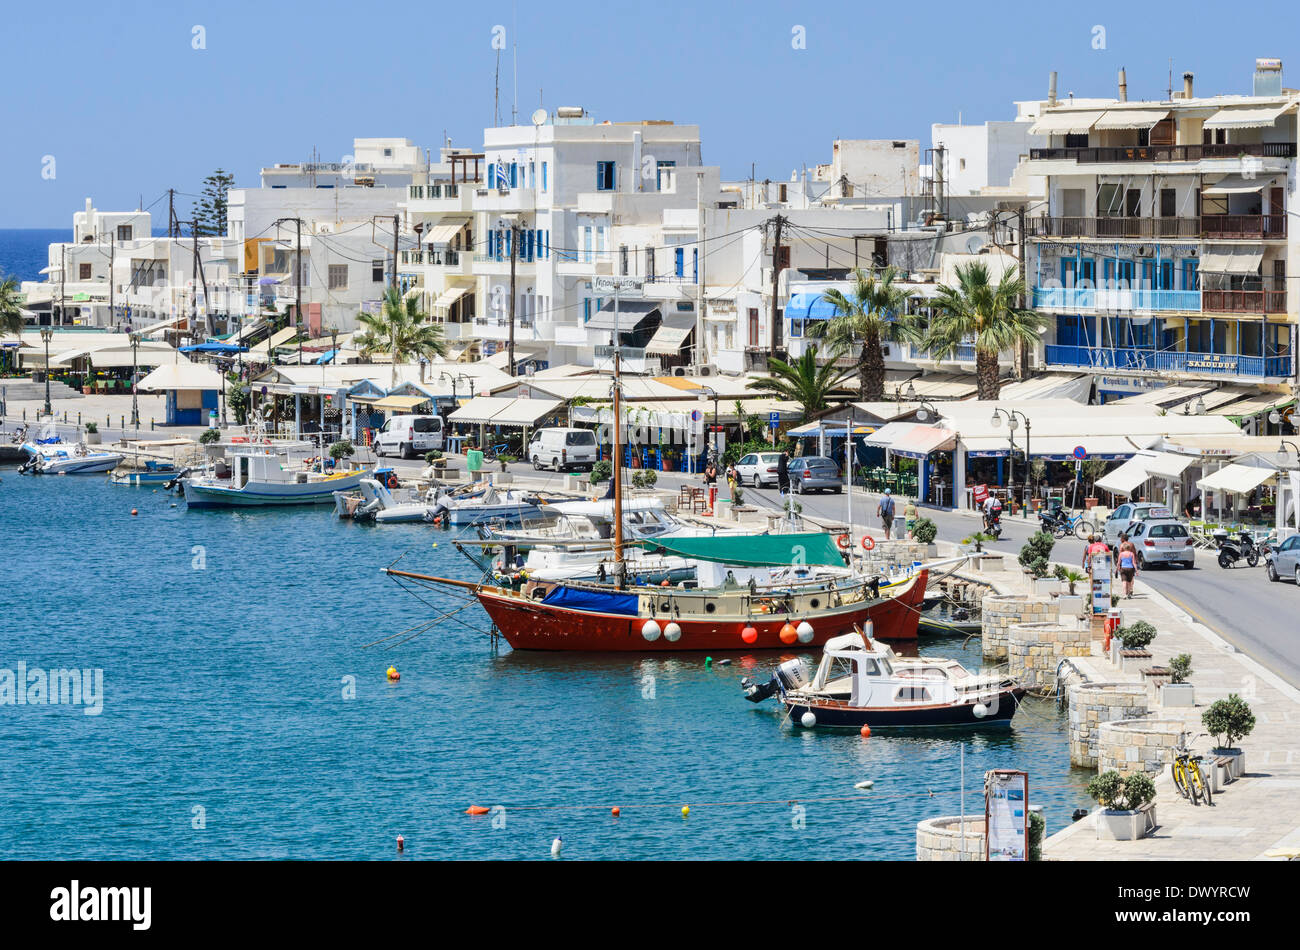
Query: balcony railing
1244	226
1059	227
1107	298
1212	364
1244	301
444	190
1165	153
435	258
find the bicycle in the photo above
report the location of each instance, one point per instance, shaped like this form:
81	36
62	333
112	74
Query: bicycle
491	453
1188	778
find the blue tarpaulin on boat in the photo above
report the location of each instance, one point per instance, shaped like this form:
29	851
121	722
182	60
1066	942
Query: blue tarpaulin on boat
596	601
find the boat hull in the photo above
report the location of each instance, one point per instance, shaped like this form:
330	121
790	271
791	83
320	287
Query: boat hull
832	715
88	465
530	625
256	495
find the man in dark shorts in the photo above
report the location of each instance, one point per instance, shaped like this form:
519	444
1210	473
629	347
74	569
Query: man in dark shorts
783	473
886	511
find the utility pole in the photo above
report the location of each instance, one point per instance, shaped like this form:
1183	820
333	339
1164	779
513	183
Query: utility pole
63	274
701	338
393	284
514	256
171	212
194	279
297	284
1020	302
778	222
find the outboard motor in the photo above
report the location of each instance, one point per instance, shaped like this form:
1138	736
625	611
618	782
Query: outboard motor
789	675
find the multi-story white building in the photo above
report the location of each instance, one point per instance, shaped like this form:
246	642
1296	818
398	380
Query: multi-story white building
1165	249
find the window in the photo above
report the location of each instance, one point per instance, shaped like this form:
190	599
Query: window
1168	531
427	424
492	176
753	326
622	260
605	176
1076	140
659	174
124	232
83	270
1168	202
680	261
377	271
912	694
338	277
585	437
514	174
388	153
544	184
695	265
650	263
587	255
1110	200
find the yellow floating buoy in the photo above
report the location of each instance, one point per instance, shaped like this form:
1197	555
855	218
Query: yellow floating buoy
393	674
686	811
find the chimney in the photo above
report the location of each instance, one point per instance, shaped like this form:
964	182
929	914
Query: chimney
1051	89
1123	86
1187	86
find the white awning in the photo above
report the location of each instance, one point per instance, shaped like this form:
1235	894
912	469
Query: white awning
1236	478
912	440
1061	448
1165	464
153	327
1066	123
246	332
262	351
884	436
1226	259
1236	185
1116	119
1124	479
1257	118
188	376
444	233
493	410
450	296
672	333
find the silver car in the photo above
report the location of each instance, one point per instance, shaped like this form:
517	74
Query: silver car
1123	519
758	468
814	473
1284	561
1162	541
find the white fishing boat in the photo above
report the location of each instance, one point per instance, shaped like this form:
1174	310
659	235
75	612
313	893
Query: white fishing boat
479	502
375	501
257	474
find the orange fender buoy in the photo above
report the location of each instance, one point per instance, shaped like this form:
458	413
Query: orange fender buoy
134	512
789	634
614	811
866	732
749	635
868	542
477	810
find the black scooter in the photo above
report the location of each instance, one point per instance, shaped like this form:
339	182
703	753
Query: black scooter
993	523
1231	551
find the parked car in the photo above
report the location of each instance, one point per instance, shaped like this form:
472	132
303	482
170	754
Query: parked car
758	468
1163	541
1284	560
409	436
1123	518
563	449
815	473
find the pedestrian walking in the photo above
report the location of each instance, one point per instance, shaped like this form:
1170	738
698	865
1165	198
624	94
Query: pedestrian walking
711	480
1127	564
783	473
886	511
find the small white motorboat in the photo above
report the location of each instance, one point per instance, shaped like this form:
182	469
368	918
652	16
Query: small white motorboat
376	502
65	458
481	501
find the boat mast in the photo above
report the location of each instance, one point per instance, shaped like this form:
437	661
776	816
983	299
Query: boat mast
617	285
848	489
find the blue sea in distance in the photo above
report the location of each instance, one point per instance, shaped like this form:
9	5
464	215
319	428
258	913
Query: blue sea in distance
224	701
25	251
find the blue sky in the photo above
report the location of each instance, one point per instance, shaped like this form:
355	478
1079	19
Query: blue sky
117	94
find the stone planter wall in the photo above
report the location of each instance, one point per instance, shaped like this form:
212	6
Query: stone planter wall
1034	650
999	611
942	839
1091	704
1137	745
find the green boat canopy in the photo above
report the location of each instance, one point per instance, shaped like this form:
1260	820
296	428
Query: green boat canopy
754	550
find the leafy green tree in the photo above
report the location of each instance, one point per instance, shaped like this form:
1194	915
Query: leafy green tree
803	380
11	312
872	312
237	397
980	310
1229	720
400	329
210	212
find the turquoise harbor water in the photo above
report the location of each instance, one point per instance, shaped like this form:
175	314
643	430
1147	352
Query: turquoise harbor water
223	691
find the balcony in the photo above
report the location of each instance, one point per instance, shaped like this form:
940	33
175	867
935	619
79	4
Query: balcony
1118	298
1244	301
1244	227
1164	153
1152	228
1196	364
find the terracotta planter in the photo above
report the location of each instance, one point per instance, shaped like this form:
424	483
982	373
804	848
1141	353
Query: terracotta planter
1091	502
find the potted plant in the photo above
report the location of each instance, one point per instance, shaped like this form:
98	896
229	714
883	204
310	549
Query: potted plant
1035	554
437	461
1069	604
1128	810
1135	638
601	471
977	539
1179	692
505	460
645	478
924	531
342	449
1229	720
209	436
92	433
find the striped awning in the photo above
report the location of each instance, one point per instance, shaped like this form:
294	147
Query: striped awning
1066	123
1116	119
1255	118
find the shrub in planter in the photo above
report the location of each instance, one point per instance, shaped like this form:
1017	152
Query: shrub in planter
601	471
433	455
1180	667
1037	828
925	530
737	496
1136	636
645	478
1228	720
978	539
1069	576
342	449
1036	553
209	436
506	460
92	428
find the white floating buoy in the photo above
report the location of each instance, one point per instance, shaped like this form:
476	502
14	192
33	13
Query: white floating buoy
556	847
805	632
865	785
808	720
980	710
650	630
672	632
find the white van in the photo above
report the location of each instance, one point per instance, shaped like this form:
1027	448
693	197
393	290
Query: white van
562	449
409	436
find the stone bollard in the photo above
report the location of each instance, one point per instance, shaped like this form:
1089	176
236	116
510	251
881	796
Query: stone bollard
999	611
1092	704
942	839
1137	745
1034	650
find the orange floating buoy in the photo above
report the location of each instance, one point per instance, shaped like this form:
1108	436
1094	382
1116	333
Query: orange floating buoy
749	635
134	512
789	634
866	732
393	674
477	810
665	583
614	811
868	542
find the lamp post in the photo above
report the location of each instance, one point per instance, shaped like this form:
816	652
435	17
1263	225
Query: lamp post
135	376
707	392
47	334
1281	449
1013	417
927	411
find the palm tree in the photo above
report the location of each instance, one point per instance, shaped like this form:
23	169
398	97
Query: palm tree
11	314
871	313
803	380
401	329
977	309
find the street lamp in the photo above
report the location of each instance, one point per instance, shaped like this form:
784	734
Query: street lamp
47	334
135	376
1281	449
1013	417
705	393
927	410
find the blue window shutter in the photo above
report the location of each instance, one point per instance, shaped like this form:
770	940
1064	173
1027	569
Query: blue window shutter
492	244
514	174
695	265
492	175
543	176
681	262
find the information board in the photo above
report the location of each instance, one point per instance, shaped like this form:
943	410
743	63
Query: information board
1006	815
1100	566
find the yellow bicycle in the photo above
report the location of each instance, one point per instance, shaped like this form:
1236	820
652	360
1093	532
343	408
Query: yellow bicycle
1188	778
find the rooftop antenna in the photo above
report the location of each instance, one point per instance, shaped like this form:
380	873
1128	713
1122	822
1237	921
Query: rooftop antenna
496	94
514	52
1169	97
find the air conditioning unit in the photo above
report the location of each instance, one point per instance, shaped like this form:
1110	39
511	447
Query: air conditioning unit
705	369
679	370
1144	250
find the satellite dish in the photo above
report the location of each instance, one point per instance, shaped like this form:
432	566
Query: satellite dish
539	117
975	244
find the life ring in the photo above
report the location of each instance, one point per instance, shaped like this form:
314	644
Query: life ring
392	481
239	438
844	542
868	542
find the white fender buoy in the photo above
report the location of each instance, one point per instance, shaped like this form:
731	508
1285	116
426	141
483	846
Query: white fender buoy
865	785
650	630
673	632
556	847
805	632
980	710
808	720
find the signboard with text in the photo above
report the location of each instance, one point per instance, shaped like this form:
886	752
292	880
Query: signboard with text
1006	815
1100	566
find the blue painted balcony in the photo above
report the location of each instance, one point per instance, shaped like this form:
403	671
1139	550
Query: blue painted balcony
1208	364
1079	299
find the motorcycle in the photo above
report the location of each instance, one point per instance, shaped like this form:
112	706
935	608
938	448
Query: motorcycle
1233	550
993	523
1054	521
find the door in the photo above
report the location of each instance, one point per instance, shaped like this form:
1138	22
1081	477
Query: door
1072	202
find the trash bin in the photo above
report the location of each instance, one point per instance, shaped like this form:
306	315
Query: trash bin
474	462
